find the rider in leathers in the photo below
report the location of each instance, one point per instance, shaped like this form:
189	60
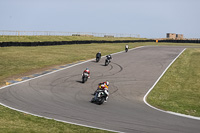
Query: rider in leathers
103	86
109	57
126	47
98	55
87	71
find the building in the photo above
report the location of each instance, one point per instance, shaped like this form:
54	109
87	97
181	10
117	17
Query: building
171	35
179	36
174	36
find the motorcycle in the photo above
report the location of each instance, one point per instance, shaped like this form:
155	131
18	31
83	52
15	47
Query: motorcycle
84	77
99	97
107	61
98	59
126	49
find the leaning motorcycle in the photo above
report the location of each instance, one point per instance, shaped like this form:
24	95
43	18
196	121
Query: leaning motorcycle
84	77
99	97
126	49
98	59
107	61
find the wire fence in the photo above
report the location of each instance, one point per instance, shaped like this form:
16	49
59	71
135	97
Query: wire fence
57	33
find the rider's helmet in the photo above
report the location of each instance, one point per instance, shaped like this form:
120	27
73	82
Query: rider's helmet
87	69
99	52
107	83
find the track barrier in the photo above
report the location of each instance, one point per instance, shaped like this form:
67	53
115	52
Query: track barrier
52	43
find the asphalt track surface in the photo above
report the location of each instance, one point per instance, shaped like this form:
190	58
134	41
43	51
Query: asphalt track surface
62	96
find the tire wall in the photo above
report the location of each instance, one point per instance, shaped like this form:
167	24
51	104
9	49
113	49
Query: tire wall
7	44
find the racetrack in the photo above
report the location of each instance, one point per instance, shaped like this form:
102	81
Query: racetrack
62	96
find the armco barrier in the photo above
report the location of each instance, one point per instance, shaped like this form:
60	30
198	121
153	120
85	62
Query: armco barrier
7	44
180	41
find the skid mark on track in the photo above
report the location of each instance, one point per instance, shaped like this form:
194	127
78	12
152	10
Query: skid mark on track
121	68
111	67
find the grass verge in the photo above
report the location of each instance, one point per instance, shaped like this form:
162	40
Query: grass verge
15	122
178	90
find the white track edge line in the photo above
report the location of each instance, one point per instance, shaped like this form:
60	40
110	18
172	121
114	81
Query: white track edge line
169	112
52	73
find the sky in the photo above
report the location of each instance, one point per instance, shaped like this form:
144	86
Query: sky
148	18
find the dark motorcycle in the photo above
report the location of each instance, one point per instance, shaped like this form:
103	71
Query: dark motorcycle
107	61
99	97
126	49
98	59
84	77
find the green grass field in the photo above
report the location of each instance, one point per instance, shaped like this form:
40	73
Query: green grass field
16	62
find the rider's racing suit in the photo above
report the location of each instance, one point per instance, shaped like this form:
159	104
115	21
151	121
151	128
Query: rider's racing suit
104	87
126	47
109	57
88	72
98	55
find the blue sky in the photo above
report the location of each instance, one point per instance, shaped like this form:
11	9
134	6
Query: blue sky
149	18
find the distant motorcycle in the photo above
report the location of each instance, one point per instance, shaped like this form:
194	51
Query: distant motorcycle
98	59
98	56
126	49
108	58
99	97
84	77
107	61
